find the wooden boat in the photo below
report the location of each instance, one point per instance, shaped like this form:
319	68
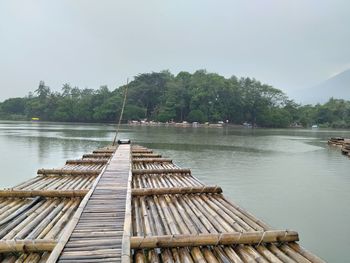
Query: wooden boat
128	204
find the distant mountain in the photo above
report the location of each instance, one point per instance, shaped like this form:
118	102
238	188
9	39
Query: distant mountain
337	87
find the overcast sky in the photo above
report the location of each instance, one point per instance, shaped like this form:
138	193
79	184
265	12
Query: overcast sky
289	44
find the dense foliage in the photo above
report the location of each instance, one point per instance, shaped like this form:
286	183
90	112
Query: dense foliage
199	97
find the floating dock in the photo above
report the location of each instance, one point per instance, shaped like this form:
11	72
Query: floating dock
343	143
128	204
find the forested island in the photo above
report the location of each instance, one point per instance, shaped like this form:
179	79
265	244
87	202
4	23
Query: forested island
164	97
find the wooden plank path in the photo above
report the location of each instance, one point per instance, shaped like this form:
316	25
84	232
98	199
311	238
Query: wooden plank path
98	235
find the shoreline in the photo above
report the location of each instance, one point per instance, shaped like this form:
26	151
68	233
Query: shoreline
176	125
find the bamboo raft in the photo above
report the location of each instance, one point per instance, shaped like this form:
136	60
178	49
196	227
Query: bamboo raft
343	143
345	149
128	204
336	141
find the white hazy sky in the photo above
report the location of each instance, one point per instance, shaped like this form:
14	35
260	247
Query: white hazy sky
290	44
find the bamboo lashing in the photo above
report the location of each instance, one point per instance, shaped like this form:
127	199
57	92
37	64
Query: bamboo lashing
68	172
251	238
176	190
27	245
42	193
161	171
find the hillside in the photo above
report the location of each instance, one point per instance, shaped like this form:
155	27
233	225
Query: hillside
337	87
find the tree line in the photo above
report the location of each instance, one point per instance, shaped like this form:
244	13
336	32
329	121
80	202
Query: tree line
161	96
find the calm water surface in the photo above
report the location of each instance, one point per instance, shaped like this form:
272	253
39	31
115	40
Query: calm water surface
289	178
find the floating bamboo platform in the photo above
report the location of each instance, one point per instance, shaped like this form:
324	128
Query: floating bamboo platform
345	149
336	141
343	143
128	204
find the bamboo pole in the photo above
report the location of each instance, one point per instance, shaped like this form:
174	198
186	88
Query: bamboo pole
230	253
185	226
161	171
55	228
18	212
271	236
127	224
23	229
68	172
281	255
82	161
146	155
305	253
43	225
104	151
97	155
176	190
268	254
255	254
27	245
42	193
293	254
141	151
152	160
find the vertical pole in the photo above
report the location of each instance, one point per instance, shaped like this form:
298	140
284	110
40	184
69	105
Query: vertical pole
121	113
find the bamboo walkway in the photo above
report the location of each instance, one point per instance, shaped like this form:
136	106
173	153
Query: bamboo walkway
128	204
98	234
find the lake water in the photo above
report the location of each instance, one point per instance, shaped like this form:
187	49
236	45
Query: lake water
289	178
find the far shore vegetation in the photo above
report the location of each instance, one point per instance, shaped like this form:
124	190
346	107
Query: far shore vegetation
161	96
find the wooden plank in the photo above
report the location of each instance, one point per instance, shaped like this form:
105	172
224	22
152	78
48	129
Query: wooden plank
106	210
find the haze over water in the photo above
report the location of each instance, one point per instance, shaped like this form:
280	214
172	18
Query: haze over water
289	178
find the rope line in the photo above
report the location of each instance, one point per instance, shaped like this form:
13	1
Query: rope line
262	238
121	114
